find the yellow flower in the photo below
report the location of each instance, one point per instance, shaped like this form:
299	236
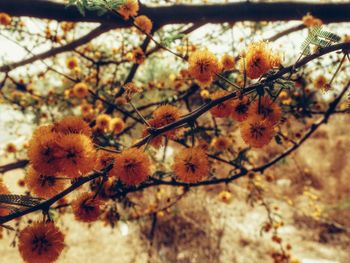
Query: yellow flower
77	155
227	62
103	122
256	132
144	23
86	208
117	125
225	196
266	109
191	165
5	19
221	143
138	56
41	185
258	60
203	65
72	62
40	243
310	21
11	148
80	90
132	166
129	8
223	109
72	124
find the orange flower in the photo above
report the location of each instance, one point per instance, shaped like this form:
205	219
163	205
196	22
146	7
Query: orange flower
3	191
258	60
191	165
138	56
103	122
72	125
223	109
80	90
129	8
227	62
310	20
320	82
132	166
5	19
11	148
77	155
256	132
104	158
44	186
72	63
267	110
203	65
165	115
40	243
117	125
221	143
157	141
86	208
144	23
43	150
240	109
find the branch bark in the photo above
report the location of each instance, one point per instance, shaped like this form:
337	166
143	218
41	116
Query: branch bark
162	15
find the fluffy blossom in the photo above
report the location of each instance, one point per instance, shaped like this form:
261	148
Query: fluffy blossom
132	166
203	65
144	23
128	9
40	243
266	109
258	60
86	208
256	132
223	109
191	165
44	186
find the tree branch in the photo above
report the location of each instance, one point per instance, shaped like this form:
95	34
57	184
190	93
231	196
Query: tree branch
175	14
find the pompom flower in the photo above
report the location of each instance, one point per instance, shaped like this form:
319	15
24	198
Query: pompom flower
80	90
165	115
191	165
104	158
266	110
221	143
223	109
310	20
320	82
132	166
138	56
5	19
258	60
240	109
44	186
144	23
43	150
129	8
227	62
72	63
203	65
11	148
40	243
103	122
72	125
256	132
77	155
86	208
117	125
